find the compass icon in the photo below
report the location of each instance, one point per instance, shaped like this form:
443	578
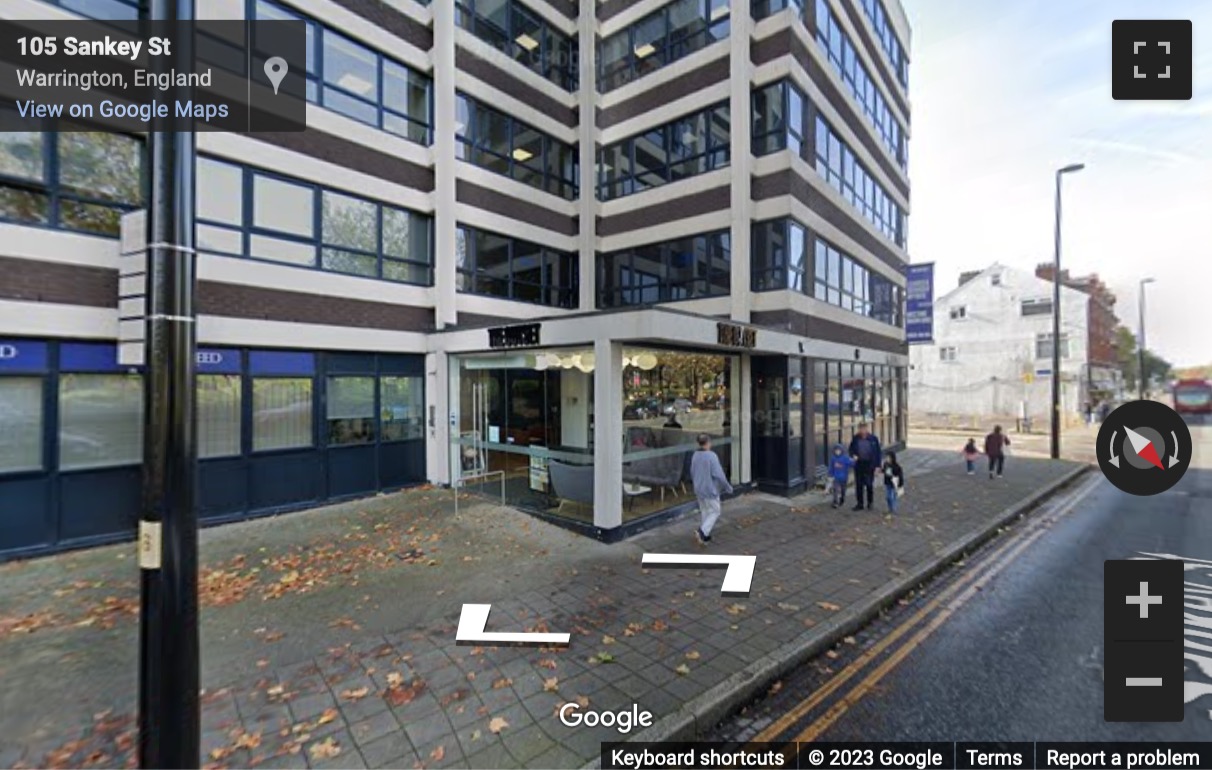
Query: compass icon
1144	447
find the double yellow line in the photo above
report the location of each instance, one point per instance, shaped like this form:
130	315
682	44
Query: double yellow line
949	600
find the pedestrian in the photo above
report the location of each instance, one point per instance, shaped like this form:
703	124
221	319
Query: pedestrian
865	451
839	472
709	481
894	481
970	453
995	449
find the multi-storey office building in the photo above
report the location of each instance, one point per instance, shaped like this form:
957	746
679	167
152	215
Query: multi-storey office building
543	237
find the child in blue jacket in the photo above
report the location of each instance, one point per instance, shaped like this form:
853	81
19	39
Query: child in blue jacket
839	472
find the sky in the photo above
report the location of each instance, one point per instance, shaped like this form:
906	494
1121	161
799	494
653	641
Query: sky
1003	93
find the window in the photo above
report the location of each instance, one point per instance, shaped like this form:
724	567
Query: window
1031	307
499	266
946	354
507	146
523	35
662	37
995	279
691	145
358	82
959	312
351	410
888	39
686	268
21	413
105	10
219	401
841	54
836	163
403	407
73	180
764	8
100	420
281	413
300	223
1043	346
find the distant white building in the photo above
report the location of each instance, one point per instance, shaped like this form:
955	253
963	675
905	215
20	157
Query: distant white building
992	351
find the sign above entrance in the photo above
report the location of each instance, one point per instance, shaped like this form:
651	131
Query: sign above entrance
736	336
518	336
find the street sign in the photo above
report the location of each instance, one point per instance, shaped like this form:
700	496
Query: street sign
132	288
919	304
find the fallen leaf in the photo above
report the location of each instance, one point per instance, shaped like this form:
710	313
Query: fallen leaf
607	640
325	749
603	657
683	669
395	679
582	701
849	640
828	606
496	725
775	688
357	694
831	654
502	683
328	716
693	655
438	754
735	609
551	685
248	740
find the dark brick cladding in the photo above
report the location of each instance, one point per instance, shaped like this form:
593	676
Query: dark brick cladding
831	331
35	281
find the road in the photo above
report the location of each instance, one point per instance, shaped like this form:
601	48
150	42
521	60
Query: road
1008	646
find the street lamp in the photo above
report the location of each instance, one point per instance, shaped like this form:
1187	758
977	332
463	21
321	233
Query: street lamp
1056	312
1140	342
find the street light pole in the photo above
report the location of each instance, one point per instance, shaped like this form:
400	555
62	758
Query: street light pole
1056	313
169	716
1140	343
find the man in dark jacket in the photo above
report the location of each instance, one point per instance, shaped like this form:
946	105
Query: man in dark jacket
865	449
995	449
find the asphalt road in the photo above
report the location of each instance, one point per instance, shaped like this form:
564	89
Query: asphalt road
1021	658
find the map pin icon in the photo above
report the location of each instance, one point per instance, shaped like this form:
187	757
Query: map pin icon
275	70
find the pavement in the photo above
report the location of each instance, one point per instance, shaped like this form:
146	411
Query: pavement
328	636
1023	658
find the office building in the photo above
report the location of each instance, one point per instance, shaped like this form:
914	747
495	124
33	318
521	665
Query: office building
549	238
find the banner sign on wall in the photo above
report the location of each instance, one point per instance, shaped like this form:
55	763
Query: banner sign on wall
919	304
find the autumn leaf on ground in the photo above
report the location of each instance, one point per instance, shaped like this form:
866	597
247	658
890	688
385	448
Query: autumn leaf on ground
582	701
788	607
403	694
735	609
693	655
357	694
551	684
775	688
547	663
497	724
659	625
603	657
828	606
831	654
248	740
438	754
221	753
325	749
328	716
395	679
849	640
683	669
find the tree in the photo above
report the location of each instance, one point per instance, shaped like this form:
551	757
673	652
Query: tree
1157	369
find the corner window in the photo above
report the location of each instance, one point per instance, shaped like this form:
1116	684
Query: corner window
504	145
495	265
685	268
660	38
523	35
691	145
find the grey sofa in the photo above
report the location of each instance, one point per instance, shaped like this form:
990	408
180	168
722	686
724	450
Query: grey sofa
571	483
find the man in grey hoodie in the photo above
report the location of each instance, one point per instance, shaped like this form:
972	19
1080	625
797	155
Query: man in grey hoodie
709	481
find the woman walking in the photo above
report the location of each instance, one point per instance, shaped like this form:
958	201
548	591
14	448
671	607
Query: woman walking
995	449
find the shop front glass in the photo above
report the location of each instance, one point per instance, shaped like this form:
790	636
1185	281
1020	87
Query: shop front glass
529	416
669	398
846	394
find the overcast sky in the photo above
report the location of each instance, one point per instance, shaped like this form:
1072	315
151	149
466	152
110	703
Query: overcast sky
1004	92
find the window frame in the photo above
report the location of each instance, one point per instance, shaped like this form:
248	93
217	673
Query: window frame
667	46
248	230
469	273
472	147
318	86
547	63
707	252
715	153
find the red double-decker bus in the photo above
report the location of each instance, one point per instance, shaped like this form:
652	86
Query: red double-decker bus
1193	397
